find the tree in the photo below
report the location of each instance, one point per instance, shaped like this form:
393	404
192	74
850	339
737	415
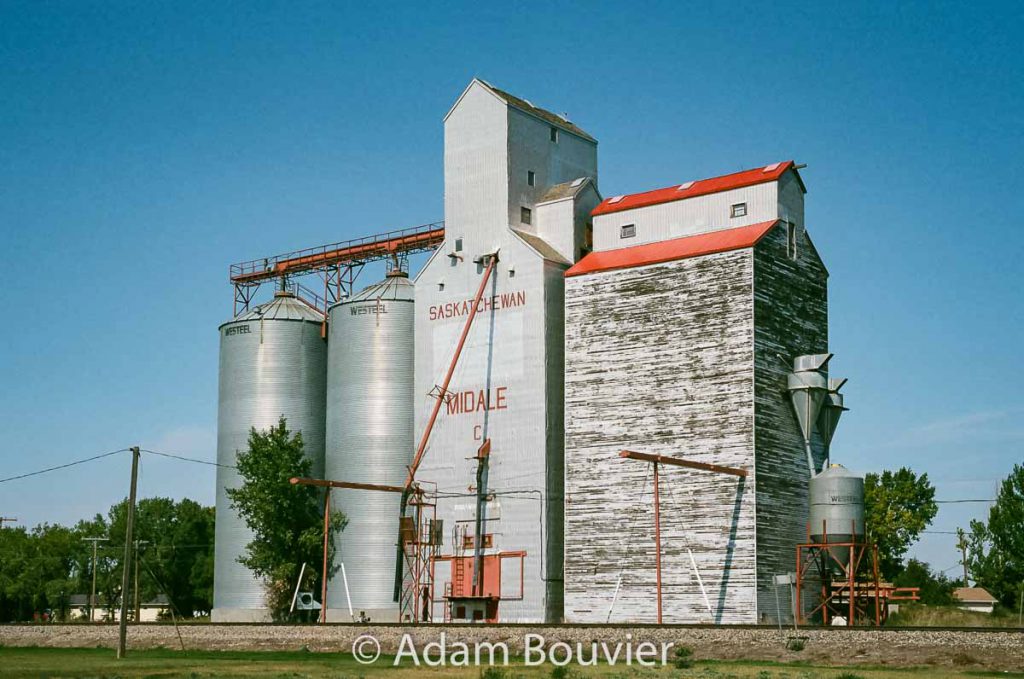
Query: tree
175	551
286	520
936	588
36	574
995	551
897	507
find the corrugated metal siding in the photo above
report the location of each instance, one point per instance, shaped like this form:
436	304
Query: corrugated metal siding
268	368
507	358
530	148
370	438
515	347
791	318
659	359
686	217
475	169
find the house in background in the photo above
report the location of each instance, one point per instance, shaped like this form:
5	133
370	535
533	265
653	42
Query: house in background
974	599
149	611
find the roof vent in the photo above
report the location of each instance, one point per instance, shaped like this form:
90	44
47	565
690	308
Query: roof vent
687	185
615	199
771	168
577	182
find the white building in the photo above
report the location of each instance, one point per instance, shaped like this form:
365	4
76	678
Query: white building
520	182
681	327
974	599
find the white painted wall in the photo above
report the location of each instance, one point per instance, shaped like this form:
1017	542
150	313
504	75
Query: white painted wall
515	344
561	223
530	148
700	214
475	170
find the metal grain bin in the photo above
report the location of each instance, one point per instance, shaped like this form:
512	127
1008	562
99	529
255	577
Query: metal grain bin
369	438
837	506
273	362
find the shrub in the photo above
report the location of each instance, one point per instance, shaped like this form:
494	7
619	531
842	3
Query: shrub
796	644
684	657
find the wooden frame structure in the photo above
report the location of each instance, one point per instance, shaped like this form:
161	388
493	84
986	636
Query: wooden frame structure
674	462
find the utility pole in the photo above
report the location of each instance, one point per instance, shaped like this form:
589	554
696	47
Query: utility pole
92	597
962	546
1020	612
137	543
126	575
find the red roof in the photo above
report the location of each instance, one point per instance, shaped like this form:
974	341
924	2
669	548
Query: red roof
710	243
702	187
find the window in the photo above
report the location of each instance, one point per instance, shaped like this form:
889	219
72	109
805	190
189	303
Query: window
525	215
458	245
468	540
627	231
738	210
791	240
554	134
531	178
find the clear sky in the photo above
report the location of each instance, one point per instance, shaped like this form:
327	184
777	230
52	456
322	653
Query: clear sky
145	146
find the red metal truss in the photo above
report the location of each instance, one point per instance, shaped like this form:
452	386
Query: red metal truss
325	257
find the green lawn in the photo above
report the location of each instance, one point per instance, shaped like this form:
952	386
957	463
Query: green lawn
56	662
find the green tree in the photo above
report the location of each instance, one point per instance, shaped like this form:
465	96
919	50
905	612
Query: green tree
897	507
108	563
36	572
175	551
995	551
286	520
936	588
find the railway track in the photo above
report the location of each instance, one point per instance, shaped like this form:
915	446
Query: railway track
535	626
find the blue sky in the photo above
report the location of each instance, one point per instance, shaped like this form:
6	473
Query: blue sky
145	146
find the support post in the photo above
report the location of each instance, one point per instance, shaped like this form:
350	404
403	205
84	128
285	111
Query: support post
92	597
657	539
136	607
874	567
122	638
327	538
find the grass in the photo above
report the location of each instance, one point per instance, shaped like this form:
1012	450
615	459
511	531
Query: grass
919	615
167	664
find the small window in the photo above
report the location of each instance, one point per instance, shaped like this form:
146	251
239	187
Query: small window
627	231
525	215
458	245
738	210
791	240
531	178
554	134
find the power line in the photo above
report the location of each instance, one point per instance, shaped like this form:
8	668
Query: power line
63	466
188	459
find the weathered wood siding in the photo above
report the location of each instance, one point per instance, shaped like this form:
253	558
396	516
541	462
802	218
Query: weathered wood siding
790	319
659	359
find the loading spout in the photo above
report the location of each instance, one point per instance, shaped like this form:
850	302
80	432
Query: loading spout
808	388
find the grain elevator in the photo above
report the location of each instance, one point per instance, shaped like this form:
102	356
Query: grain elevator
551	340
272	365
519	182
681	327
